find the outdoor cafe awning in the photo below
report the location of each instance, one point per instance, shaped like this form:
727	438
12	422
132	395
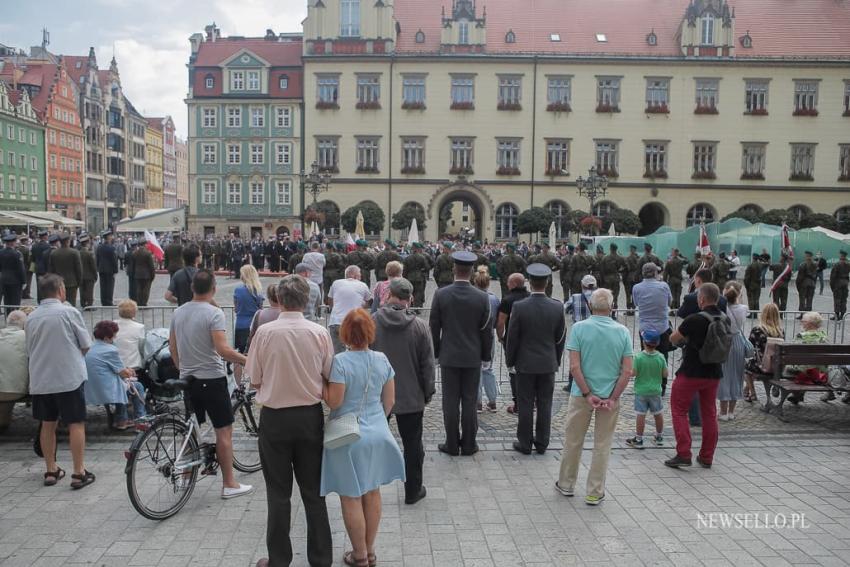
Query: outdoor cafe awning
54	217
13	218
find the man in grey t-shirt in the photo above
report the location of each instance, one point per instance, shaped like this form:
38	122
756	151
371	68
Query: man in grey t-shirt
310	311
198	344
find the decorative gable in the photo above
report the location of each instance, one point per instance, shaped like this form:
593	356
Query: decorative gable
244	58
463	31
707	30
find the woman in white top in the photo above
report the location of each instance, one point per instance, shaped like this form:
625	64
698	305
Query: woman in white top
731	388
131	335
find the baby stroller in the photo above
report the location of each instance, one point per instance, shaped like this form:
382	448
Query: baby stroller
157	367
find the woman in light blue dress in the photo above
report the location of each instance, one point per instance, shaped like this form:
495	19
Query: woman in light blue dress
357	471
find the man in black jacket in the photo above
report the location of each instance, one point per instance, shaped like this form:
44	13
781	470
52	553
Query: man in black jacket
107	267
534	348
463	338
12	273
39	254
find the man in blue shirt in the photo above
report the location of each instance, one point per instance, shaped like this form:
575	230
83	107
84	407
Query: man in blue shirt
652	298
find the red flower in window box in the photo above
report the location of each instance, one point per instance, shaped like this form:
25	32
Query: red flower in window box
558	107
463	106
413	170
327	105
657	109
704	175
460	171
757	112
611	172
554	171
509	106
365	169
801	177
607	108
655	174
373	105
413	105
328	169
752	176
706	110
806	112
507	171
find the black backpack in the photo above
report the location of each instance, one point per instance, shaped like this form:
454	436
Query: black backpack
718	339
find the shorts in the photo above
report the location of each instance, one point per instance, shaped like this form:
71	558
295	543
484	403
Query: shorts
70	407
211	397
652	404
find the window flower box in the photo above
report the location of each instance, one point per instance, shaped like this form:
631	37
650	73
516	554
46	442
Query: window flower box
657	109
419	105
554	172
558	107
366	169
328	169
463	106
373	105
806	112
460	171
607	108
801	177
655	174
756	112
704	175
507	171
752	176
327	105
706	110
608	172
413	170
509	106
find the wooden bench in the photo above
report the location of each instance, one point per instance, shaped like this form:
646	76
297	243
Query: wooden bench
791	354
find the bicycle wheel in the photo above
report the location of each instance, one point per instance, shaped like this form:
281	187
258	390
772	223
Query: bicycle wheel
246	428
157	485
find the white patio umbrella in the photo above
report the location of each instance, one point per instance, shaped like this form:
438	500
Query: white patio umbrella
553	236
611	230
413	233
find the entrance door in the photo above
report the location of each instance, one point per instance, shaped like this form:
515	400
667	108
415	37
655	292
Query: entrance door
652	217
460	217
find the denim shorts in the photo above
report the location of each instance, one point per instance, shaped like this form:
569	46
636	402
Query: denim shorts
652	404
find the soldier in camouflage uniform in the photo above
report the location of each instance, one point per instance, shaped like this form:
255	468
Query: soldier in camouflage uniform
387	255
549	260
296	258
564	271
510	263
334	266
780	293
631	277
752	283
363	260
597	263
647	257
444	267
416	268
482	259
611	268
673	276
839	279
581	264
720	270
807	275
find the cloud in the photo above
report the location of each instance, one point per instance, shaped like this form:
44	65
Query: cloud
253	17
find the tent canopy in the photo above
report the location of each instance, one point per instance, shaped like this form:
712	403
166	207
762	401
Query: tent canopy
155	220
54	217
12	218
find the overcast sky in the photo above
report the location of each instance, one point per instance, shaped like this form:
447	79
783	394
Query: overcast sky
150	38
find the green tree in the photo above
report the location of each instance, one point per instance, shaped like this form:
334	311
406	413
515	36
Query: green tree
625	221
406	214
533	220
778	216
745	214
325	213
373	217
574	219
819	219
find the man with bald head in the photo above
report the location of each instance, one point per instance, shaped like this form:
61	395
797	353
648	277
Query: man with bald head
516	292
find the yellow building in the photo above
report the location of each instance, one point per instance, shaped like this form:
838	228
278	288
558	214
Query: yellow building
693	109
153	167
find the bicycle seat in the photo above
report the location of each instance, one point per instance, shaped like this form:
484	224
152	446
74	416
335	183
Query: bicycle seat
179	384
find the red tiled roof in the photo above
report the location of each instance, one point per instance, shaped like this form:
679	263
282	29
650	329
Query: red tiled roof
71	66
779	28
278	54
154	122
42	77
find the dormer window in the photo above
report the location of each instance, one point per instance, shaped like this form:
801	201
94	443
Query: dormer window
601	38
283	82
349	20
463	33
652	39
209	81
510	37
746	40
707	31
420	37
554	37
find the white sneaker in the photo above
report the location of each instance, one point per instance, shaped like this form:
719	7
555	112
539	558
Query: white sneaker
730	416
243	490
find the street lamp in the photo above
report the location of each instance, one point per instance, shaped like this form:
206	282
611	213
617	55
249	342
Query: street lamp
594	187
315	182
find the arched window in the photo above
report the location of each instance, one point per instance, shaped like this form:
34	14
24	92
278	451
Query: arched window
752	208
842	214
327	217
420	37
506	217
799	211
603	208
510	37
559	210
698	213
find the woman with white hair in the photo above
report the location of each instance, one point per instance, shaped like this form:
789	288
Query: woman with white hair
131	335
14	372
812	333
394	271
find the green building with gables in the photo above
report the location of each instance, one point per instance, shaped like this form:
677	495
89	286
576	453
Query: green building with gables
22	171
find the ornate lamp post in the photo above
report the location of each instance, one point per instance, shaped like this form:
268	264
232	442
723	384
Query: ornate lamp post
593	188
315	182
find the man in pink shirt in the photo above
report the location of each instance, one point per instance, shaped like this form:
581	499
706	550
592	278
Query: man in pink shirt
289	363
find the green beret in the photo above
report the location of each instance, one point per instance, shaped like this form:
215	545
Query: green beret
302	246
390	243
510	246
418	245
613	246
447	244
842	252
361	242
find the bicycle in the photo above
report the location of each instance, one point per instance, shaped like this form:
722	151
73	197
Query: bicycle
168	454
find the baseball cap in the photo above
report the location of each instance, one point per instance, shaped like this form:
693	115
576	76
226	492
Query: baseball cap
650	337
588	282
401	288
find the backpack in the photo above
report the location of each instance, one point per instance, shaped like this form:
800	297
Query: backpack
718	339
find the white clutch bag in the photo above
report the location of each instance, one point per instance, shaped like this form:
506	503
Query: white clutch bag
345	429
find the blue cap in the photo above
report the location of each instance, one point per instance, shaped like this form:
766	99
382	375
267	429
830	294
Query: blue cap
651	337
464	258
10	237
539	271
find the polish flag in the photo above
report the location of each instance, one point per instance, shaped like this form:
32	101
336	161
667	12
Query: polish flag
704	247
152	244
349	242
785	246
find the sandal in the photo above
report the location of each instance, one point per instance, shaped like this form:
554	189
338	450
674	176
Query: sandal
349	559
82	480
51	478
373	559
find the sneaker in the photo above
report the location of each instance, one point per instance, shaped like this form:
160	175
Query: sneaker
658	440
730	417
480	408
491	407
564	491
677	462
702	463
242	490
723	417
593	500
512	409
635	443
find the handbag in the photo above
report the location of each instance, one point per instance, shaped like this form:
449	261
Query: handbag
345	429
768	359
749	349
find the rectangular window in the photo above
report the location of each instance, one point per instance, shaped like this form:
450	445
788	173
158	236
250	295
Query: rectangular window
753	161
327	153
2	181
257	154
802	162
53	161
756	96
606	158
283	117
558	95
32	138
283	193
608	94
463	92
557	157
258	193
805	98
11	159
655	160
237	80
707	30
413	91
463	33
23	159
13	187
657	95
844	162
283	154
846	98
327	91
461	156
367	155
22	135
258	117
707	96
208	154
253	80
349	20
510	91
413	155
51	137
33	164
209	82
33	187
234	194
10	132
234	117
507	157
210	118
705	160
368	91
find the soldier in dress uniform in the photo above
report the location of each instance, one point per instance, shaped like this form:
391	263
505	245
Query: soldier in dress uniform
581	264
237	256
510	263
387	255
66	262
631	276
780	293
130	270
89	272
298	255
107	266
334	266
144	271
807	275
549	260
12	273
673	276
38	256
274	250
364	260
24	249
611	268
444	267
752	283
258	253
839	278
416	269
173	256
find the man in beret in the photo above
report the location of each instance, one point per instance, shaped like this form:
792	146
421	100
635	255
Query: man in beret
545	257
839	278
510	263
89	272
610	269
364	260
334	266
581	264
12	273
24	249
781	278
444	267
297	256
807	275
673	276
631	276
39	253
387	255
416	269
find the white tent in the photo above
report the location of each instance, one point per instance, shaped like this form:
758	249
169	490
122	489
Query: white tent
832	233
155	220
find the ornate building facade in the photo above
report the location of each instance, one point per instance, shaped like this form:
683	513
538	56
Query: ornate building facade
137	156
153	164
181	155
22	164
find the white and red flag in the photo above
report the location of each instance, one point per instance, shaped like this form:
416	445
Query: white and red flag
152	244
704	246
788	250
349	242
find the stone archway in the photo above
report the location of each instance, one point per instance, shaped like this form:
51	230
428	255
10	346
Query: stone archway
652	217
478	200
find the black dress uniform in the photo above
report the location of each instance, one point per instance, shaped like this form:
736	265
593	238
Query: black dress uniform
25	252
144	271
12	274
463	338
38	254
106	258
89	273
